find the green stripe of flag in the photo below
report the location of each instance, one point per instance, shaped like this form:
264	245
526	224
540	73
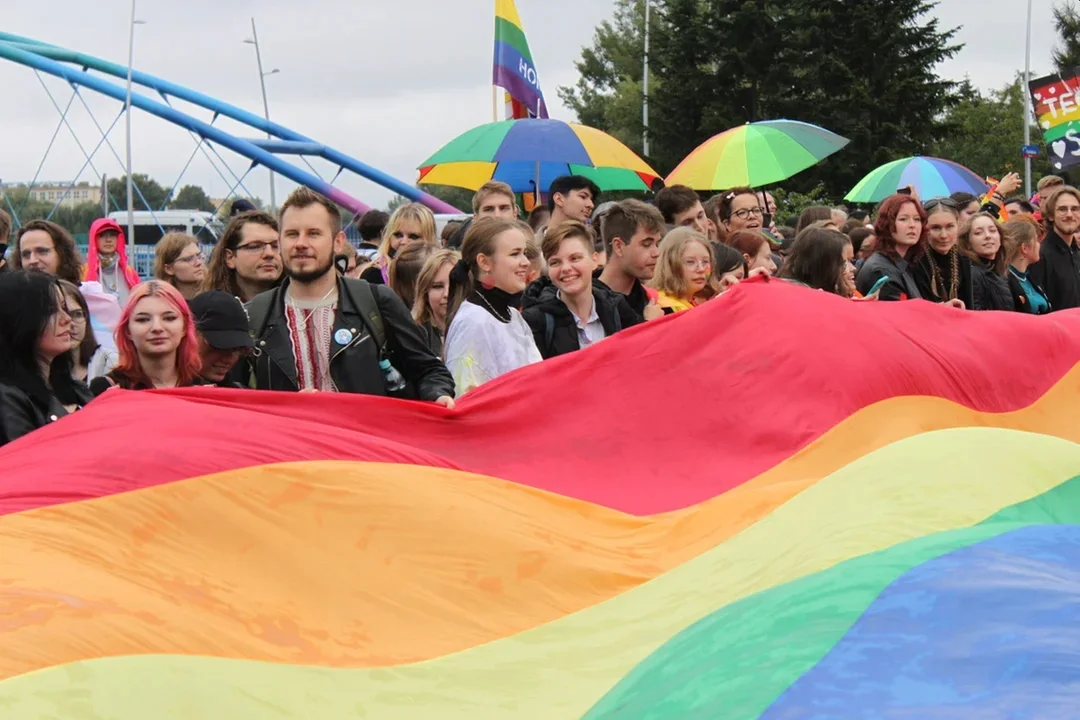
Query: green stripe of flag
736	662
511	34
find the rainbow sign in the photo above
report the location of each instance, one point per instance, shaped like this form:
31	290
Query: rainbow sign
1057	109
780	505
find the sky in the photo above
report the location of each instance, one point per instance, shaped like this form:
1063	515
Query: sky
386	82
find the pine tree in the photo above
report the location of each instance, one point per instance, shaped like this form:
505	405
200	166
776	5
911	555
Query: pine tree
1067	23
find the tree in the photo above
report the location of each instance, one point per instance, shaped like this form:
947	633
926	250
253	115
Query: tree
192	197
396	202
985	132
1067	23
863	70
609	93
154	193
461	198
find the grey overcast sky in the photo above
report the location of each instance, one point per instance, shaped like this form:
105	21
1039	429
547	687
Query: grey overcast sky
387	82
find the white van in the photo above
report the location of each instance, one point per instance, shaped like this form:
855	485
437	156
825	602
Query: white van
149	226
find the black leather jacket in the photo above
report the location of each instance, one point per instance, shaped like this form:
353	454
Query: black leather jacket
19	415
354	366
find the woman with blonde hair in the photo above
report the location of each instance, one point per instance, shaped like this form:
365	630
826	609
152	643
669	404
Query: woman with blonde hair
405	270
683	273
1022	251
410	224
179	261
433	297
980	240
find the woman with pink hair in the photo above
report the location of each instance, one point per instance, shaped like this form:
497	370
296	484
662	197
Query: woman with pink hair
156	340
107	262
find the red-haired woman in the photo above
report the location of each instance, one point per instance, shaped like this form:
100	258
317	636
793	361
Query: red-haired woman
156	340
901	239
755	250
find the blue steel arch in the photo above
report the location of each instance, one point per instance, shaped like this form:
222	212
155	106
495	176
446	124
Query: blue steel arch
57	61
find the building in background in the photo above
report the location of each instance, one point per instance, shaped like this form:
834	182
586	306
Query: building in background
63	192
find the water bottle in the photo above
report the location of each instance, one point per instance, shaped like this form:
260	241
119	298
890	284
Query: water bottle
395	383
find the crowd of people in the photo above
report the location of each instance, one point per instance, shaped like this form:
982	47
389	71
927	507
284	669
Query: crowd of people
288	303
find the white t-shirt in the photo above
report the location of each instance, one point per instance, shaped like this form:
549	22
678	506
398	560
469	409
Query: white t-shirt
480	348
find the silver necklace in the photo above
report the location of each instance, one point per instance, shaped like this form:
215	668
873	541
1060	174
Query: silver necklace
493	310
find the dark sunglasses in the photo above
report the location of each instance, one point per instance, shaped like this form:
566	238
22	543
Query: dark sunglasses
947	202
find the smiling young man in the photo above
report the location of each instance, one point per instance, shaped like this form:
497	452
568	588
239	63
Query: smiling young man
322	332
632	232
570	197
571	312
1058	269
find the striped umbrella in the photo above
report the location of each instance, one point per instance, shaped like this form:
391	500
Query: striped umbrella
755	154
931	177
524	153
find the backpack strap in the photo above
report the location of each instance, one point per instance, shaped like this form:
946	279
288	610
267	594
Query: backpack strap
549	330
258	310
364	299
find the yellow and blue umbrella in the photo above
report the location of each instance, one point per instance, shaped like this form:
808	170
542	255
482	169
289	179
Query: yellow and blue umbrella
930	176
525	153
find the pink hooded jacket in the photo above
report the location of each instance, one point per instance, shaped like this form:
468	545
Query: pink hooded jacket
93	263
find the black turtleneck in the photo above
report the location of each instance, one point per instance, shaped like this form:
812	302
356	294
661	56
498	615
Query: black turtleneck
498	302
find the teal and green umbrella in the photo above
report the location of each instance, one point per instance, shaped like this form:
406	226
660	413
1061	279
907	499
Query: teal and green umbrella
930	177
755	154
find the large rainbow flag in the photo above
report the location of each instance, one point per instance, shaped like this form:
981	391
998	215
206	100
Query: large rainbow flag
780	505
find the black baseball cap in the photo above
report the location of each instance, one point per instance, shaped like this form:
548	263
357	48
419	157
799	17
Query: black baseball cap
222	320
241	205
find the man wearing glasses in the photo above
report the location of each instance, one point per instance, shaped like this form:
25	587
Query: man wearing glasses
1058	269
247	258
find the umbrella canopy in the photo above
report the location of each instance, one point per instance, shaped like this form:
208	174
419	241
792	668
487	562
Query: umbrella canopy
755	154
520	152
931	177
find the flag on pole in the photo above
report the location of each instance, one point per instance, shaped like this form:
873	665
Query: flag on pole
514	70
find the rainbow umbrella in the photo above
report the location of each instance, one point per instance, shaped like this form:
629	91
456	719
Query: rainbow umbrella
931	177
524	153
755	154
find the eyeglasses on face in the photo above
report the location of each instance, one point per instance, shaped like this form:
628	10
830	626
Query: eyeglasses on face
256	248
192	259
692	264
745	213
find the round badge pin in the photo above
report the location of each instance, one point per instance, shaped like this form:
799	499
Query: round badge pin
343	337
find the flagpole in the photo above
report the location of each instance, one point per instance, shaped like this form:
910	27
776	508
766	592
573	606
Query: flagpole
494	103
645	89
1027	111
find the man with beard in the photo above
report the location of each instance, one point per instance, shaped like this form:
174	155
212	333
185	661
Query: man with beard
320	332
1058	269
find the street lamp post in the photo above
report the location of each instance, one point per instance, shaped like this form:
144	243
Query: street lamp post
127	121
266	105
